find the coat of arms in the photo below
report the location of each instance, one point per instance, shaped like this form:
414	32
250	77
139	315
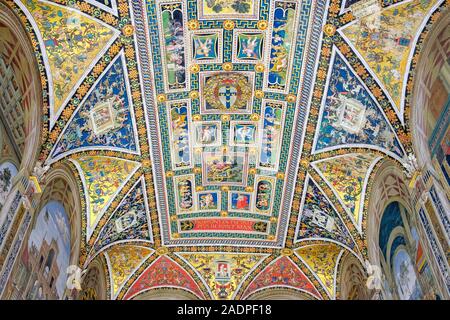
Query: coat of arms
351	115
105	116
222	283
227	91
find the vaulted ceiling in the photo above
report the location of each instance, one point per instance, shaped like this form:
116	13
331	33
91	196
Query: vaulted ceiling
225	146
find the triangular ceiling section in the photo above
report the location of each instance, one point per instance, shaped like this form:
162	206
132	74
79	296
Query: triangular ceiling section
282	272
322	260
223	273
103	178
123	260
350	117
318	218
347	176
130	221
164	272
104	119
73	44
385	40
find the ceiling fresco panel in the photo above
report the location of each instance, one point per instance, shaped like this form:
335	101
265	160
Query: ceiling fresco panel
105	118
122	262
384	40
129	222
323	261
282	26
224	147
218	9
103	178
223	273
225	122
319	219
347	175
164	272
350	115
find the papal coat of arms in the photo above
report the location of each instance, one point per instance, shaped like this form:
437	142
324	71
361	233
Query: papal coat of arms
105	116
229	91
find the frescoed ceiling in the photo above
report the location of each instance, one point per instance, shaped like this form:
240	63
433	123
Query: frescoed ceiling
224	147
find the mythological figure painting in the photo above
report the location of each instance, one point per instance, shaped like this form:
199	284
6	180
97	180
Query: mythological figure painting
41	272
224	169
265	186
240	201
7	173
174	44
224	150
207	133
243	133
185	193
